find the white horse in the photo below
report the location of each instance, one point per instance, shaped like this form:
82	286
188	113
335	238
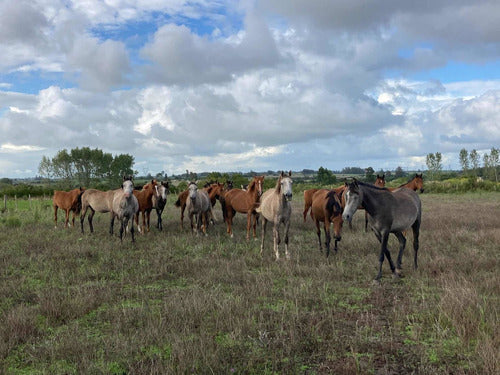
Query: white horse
125	206
275	206
198	203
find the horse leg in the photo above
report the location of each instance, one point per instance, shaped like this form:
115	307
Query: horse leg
384	252
111	223
402	244
121	229
255	218
318	232
264	225
82	216
287	229
366	221
132	229
66	219
328	238
416	232
55	217
306	209
204	217
148	218
91	216
277	240
183	207
73	219
249	224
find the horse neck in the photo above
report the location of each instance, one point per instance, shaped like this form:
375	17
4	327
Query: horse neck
371	199
278	186
252	192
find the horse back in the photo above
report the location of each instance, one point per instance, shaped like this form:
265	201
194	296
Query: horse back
240	200
100	201
406	210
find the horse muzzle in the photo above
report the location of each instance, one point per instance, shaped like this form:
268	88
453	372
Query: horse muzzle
288	197
347	217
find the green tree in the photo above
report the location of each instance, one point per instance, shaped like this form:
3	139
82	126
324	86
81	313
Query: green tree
120	166
474	162
369	174
325	176
491	164
464	160
434	164
399	172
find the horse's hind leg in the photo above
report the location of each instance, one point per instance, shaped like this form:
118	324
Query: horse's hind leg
276	239
55	217
91	215
287	229
328	238
402	244
416	232
66	219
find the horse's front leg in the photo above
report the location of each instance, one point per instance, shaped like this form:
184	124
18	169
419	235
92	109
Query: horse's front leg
384	251
328	238
111	222
277	240
263	234
287	229
318	232
66	220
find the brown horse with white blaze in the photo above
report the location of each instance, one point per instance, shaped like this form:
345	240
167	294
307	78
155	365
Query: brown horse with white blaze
243	201
67	201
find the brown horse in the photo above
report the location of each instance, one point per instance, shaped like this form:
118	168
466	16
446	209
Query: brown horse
416	183
67	201
181	202
145	199
243	201
308	194
327	208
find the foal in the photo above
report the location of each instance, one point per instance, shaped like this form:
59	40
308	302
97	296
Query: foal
145	199
67	201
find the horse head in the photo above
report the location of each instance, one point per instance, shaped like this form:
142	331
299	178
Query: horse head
128	187
285	185
353	199
419	182
380	181
193	189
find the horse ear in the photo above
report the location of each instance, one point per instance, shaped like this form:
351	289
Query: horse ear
290	173
282	174
383	176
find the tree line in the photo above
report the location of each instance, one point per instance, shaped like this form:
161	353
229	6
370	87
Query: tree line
85	166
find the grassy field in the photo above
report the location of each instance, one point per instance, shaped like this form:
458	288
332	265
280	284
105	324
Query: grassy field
178	303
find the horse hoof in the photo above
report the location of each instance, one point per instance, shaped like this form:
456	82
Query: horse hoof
376	282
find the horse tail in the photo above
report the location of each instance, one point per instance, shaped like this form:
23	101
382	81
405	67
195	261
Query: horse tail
178	202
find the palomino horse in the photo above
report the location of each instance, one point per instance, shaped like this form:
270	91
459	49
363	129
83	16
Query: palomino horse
308	194
275	206
160	200
97	200
198	203
390	212
145	199
67	201
125	207
326	208
243	201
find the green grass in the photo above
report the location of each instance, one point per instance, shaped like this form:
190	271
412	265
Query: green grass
178	303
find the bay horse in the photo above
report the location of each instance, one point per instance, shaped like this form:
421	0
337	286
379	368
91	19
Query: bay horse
416	183
275	206
145	199
160	200
308	194
326	207
390	212
243	201
67	201
198	203
125	207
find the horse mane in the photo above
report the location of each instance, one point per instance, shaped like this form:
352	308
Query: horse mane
332	202
410	180
371	186
278	185
251	185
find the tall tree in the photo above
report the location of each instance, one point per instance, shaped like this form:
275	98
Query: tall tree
325	176
399	172
464	160
474	162
434	164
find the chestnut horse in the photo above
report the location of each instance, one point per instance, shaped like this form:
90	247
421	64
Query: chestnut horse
145	199
326	207
181	202
243	201
416	183
308	194
67	201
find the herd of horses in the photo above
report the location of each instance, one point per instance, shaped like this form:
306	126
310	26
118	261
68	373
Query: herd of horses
387	210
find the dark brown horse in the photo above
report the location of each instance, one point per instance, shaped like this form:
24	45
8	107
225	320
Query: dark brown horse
67	201
243	201
145	199
326	207
308	194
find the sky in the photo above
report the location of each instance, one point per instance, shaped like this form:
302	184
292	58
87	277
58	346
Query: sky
249	85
